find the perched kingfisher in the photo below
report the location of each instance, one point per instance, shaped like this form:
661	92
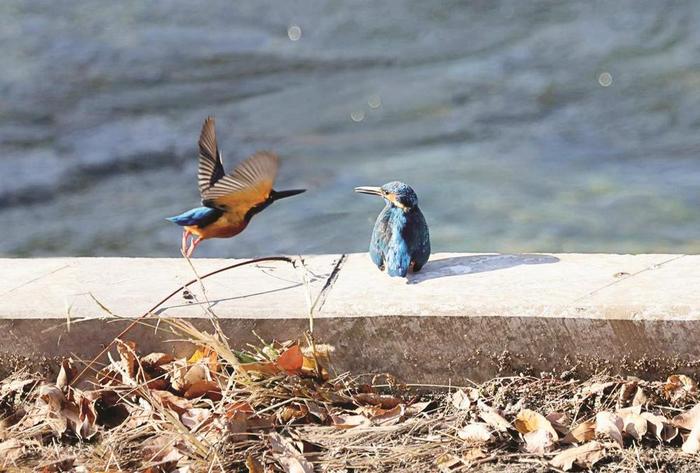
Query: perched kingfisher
229	200
400	239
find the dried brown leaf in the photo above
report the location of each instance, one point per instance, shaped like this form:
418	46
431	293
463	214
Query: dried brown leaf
678	387
560	421
254	465
687	420
350	421
540	441
196	417
416	408
475	433
634	424
156	360
528	421
205	356
373	399
171	401
640	397
66	374
208	389
660	427
584	456
492	417
287	455
627	391
292	360
389	416
127	354
10	451
462	400
610	425
692	442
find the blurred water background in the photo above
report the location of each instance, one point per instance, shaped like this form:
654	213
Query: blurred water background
523	126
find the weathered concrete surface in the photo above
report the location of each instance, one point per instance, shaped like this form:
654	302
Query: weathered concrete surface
462	316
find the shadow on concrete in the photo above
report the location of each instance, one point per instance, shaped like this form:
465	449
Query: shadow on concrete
461	265
215	302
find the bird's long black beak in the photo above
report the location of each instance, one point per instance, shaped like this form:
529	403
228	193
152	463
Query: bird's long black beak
277	195
369	190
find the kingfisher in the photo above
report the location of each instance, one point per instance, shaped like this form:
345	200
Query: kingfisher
229	201
400	240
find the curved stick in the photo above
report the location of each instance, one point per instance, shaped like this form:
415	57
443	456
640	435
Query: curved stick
166	298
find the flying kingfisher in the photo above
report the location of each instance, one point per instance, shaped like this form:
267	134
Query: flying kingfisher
229	200
400	239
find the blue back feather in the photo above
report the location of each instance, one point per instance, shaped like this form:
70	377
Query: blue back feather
200	216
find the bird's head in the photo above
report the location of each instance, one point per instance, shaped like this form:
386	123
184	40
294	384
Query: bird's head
395	193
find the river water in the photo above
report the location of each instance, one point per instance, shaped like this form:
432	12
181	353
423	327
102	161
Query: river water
523	126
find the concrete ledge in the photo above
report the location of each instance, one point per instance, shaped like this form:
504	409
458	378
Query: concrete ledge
463	316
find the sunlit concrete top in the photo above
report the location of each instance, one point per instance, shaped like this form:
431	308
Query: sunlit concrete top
597	286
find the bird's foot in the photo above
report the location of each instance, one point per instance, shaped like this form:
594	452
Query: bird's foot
194	243
185	236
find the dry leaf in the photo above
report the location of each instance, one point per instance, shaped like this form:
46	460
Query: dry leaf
559	421
634	424
610	425
687	420
539	441
292	412
208	389
692	442
530	421
127	354
156	360
66	374
382	400
292	360
171	401
584	456
583	432
640	397
194	418
10	451
288	456
205	356
265	367
475	433
678	387
448	463
460	401
492	417
416	408
389	416
596	388
254	465
627	391
350	421
660	427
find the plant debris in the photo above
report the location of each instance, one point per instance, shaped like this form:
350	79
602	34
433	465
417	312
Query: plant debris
280	407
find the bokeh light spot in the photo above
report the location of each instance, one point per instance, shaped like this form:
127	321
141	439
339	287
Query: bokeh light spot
294	32
605	79
357	116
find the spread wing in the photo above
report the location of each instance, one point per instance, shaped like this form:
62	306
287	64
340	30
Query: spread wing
211	169
247	186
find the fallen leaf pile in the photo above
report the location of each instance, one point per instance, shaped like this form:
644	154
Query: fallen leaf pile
277	407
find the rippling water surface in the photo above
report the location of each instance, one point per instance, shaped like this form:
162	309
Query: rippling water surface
523	126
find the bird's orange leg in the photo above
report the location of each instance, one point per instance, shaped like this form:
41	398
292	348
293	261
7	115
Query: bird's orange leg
185	235
193	245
